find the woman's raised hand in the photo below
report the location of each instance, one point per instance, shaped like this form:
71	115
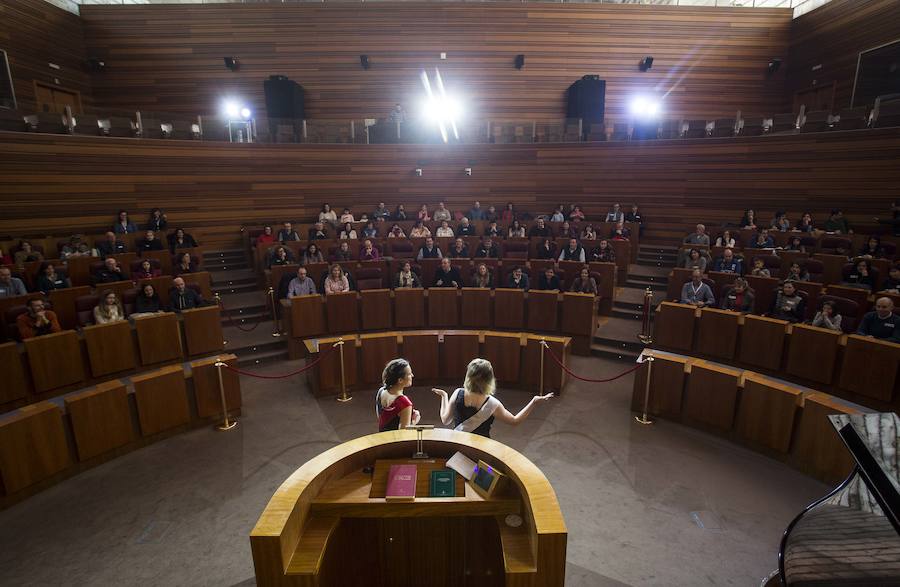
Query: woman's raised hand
439	392
540	398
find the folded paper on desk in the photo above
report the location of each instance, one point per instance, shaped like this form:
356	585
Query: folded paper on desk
462	465
401	485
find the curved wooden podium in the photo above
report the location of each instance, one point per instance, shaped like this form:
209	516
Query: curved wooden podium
327	525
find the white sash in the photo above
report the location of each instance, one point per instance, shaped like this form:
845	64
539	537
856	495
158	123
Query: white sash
478	418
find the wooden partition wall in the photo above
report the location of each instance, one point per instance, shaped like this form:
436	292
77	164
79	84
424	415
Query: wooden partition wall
225	186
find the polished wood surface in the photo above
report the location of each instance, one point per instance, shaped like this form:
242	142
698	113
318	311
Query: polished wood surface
579	314
409	308
331	482
817	450
307	316
342	312
869	367
32	446
542	310
673	326
443	307
376	309
667	378
203	330
101	420
55	360
509	309
421	349
110	348
762	341
812	353
375	352
476	308
161	399
159	338
15	380
717	333
459	348
504	352
711	396
206	386
63	302
766	413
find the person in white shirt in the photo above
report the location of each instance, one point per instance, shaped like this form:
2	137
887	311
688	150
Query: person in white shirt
444	229
109	309
442	213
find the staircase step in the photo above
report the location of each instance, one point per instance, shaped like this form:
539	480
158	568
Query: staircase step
615	353
259	357
645	283
223	289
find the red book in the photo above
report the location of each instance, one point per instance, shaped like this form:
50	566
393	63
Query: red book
401	485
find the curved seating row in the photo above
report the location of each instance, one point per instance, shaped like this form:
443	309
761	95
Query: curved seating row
567	314
771	416
46	366
437	355
106	421
858	368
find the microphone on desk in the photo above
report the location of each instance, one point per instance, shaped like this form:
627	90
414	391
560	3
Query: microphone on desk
420	454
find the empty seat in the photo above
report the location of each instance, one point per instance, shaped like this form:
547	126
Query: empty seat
814	267
402	248
722	127
48	122
86	124
369	278
128	299
119	126
670	129
597	132
182	130
835	245
886	114
816	121
751	127
84	309
847	308
783	123
694	129
851	118
620	132
150	129
515	250
214	129
12	120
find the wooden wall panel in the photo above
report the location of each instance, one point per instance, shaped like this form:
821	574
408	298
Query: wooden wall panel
35	33
711	60
832	36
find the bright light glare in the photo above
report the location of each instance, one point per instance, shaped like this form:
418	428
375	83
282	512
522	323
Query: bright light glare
232	108
644	107
245	113
439	107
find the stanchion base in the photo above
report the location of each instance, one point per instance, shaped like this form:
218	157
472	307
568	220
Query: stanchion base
341	398
642	420
223	427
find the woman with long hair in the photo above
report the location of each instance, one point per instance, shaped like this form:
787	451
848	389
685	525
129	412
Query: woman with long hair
482	277
393	409
109	309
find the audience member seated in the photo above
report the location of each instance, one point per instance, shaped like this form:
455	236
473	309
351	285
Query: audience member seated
369	252
882	323
182	297
603	252
634	215
111	246
76	247
797	273
546	250
336	282
518	279
442	213
312	254
574	252
459	250
695	260
343	253
762	240
37	321
110	272
327	215
123	225
696	292
576	215
488	249
739	297
492	229
317	232
109	309
347	217
381	212
892	283
699	237
725	240
748	220
558	215
475	212
447	275
5	259
540	229
407	278
429	250
615	215
759	268
584	283
10	286
148	243
567	230
396	232
26	254
369	230
347	232
788	304
795	243
805	224
423	214
872	249
837	223
419	230
549	280
516	230
508	214
147	302
465	228
182	240
827	317
185	265
48	279
301	285
287	233
157	221
444	230
861	276
726	262
589	234
284	256
399	213
620	232
780	222
482	277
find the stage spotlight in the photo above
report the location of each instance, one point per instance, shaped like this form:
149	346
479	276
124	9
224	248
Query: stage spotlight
232	109
439	107
646	63
644	107
245	113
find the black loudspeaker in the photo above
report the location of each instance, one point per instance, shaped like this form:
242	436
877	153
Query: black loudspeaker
364	61
586	99
231	63
284	98
520	61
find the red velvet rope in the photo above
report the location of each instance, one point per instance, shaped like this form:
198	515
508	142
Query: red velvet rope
297	372
235	324
567	370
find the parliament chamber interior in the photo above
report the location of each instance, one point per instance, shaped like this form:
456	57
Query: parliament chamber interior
428	293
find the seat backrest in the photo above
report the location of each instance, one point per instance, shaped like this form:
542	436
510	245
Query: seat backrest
402	248
120	126
772	262
829	244
84	308
814	267
723	127
847	308
85	124
515	250
12	120
128	299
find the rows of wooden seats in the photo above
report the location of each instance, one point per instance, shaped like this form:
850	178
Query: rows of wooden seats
547	312
859	368
106	421
769	415
46	366
437	355
818	242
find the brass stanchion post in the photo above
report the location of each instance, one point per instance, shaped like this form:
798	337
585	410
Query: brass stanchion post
544	347
227	424
643	418
343	397
276	326
647	339
221	309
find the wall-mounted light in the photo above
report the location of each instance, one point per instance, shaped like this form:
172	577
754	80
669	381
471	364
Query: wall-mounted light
468	171
231	63
418	172
646	63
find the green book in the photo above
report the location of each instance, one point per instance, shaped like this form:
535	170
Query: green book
443	483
